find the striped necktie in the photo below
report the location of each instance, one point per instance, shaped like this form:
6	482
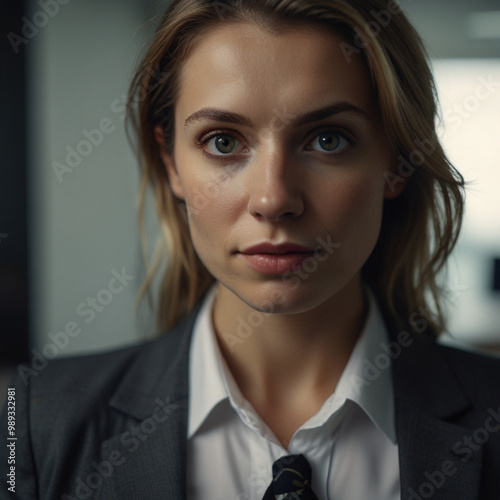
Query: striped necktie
291	480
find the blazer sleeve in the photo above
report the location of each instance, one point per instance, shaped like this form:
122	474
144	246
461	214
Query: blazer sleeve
17	453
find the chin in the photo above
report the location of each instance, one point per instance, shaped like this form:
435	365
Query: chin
281	297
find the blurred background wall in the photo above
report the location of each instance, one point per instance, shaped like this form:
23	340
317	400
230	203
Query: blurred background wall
70	180
68	222
83	218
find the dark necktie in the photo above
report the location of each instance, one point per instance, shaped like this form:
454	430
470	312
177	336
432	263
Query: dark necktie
291	480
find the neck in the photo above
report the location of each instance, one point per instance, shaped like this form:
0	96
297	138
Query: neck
281	357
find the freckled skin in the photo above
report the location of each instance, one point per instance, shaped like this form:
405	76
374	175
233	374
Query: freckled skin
277	191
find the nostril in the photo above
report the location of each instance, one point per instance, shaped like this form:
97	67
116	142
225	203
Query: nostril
275	217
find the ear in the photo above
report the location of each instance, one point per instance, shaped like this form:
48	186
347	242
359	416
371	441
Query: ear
394	182
169	163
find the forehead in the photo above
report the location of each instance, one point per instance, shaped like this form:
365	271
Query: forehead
246	66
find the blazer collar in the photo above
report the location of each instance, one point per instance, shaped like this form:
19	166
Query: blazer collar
428	401
152	451
160	371
423	377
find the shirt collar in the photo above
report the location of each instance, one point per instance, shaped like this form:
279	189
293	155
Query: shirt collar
206	381
366	380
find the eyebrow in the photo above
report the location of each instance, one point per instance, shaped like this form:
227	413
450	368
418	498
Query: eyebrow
222	116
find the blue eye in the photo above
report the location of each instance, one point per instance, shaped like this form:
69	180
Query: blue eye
329	142
223	144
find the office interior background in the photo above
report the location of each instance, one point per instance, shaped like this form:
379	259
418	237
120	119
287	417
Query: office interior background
64	233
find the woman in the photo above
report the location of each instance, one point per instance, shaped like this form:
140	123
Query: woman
308	208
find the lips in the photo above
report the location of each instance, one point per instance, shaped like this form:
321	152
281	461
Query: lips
268	258
270	248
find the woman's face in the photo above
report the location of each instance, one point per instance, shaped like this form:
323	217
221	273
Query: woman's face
280	158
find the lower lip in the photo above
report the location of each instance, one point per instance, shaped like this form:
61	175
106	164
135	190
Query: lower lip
270	263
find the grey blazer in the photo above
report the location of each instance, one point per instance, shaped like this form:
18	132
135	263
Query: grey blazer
114	425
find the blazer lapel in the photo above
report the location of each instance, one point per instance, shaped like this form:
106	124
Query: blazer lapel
151	458
428	466
428	402
148	458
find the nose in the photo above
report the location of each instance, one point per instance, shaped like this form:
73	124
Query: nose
274	189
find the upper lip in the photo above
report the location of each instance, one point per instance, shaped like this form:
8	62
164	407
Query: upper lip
271	248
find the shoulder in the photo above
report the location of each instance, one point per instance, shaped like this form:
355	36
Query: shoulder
450	369
443	379
469	356
67	408
72	393
77	375
79	379
477	372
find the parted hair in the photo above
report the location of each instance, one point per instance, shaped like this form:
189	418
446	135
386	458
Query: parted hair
419	227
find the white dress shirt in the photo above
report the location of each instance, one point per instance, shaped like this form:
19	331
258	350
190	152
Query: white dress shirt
350	443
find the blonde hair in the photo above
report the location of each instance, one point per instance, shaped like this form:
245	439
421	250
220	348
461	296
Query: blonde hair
419	228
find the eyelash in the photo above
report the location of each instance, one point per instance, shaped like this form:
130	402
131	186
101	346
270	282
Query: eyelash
205	138
349	138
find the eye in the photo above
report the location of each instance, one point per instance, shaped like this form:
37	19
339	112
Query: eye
223	144
329	142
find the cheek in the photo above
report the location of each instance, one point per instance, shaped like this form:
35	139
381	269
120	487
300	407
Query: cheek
212	204
202	187
355	210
